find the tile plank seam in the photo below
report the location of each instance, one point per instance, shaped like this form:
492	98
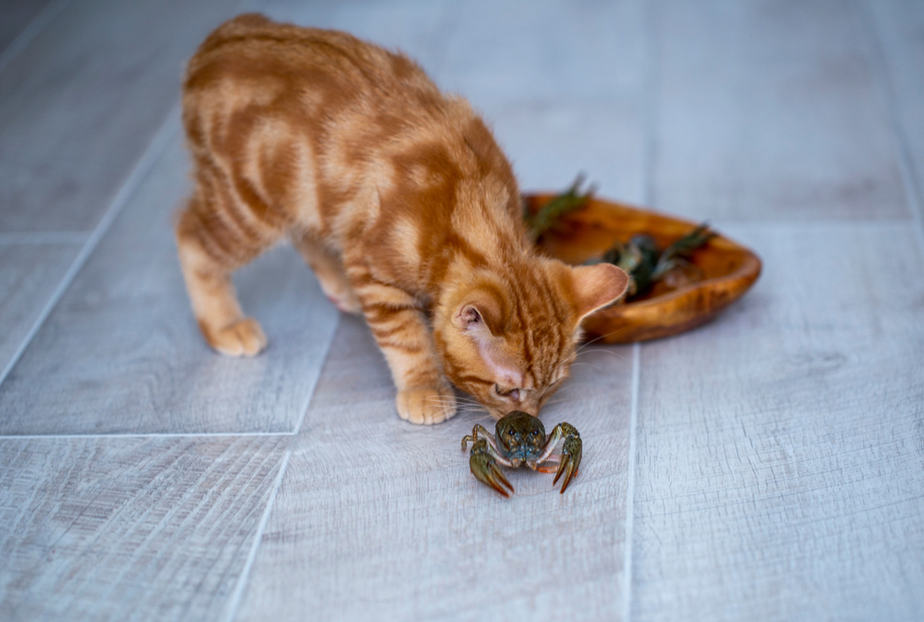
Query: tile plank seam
649	98
307	404
630	485
138	172
235	600
869	23
33	28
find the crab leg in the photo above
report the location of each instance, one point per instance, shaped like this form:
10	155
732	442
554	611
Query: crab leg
570	458
479	431
550	465
483	464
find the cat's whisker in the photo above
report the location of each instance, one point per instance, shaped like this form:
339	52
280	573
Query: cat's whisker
593	341
460	408
590	347
440	400
596	339
468	401
476	406
553	402
608	352
457	401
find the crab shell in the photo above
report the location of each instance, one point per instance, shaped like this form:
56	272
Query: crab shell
520	438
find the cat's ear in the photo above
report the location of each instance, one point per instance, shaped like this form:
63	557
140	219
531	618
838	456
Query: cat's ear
479	313
597	286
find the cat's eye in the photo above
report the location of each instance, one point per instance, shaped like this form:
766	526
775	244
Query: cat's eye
513	394
471	316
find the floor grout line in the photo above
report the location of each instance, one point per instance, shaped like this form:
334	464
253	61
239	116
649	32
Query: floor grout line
307	405
8	437
238	593
28	33
650	98
138	173
630	485
905	165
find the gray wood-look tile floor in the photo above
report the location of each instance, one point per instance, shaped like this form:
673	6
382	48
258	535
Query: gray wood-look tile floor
768	466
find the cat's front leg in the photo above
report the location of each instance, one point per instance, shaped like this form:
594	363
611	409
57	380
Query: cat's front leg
400	329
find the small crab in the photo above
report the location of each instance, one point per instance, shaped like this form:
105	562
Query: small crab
519	438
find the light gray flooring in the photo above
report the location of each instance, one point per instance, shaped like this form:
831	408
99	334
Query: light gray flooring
768	466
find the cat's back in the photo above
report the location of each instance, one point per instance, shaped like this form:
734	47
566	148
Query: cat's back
251	57
344	138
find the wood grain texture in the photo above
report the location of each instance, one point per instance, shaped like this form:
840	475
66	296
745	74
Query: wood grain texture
771	110
899	27
29	275
780	450
376	515
83	99
129	529
121	351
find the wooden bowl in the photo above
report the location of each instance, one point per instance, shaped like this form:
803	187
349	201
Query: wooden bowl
726	269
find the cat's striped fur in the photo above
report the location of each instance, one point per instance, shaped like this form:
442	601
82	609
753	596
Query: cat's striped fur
395	194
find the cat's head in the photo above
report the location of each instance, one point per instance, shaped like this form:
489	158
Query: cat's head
510	339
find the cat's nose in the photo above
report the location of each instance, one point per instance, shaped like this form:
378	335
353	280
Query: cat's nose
530	404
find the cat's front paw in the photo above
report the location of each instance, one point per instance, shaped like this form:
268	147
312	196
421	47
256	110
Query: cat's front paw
426	405
242	338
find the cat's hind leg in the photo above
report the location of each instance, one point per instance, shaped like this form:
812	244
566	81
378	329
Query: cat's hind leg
328	267
209	252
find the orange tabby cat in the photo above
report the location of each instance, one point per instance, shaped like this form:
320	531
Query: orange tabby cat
398	198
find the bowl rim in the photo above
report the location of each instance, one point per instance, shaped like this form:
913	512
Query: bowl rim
746	273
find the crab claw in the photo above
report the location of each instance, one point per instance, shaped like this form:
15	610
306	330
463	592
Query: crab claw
570	456
484	468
